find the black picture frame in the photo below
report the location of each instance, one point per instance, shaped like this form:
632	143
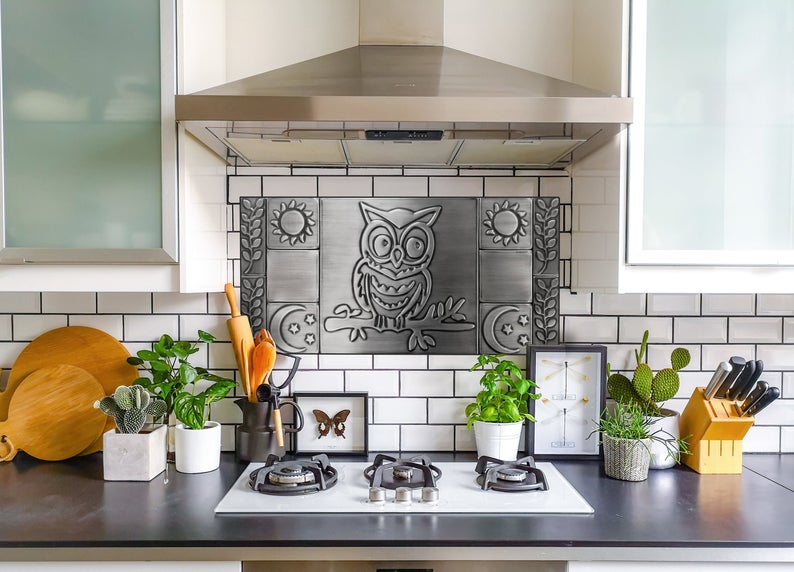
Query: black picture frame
570	391
321	435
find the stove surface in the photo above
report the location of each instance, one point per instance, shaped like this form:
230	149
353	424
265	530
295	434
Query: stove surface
458	493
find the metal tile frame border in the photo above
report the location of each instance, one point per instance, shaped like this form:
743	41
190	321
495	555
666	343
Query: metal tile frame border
545	265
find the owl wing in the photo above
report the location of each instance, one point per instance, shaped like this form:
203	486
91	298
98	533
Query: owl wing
361	285
420	295
323	422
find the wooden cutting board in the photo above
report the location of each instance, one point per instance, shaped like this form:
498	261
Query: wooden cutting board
51	415
95	351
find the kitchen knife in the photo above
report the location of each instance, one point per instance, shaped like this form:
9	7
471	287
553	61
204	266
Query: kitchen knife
744	377
768	397
755	394
739	392
737	364
723	369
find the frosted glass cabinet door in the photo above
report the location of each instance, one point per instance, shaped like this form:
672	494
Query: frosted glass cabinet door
710	153
83	131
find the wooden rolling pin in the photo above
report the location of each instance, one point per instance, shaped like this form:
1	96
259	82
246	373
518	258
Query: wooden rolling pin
242	342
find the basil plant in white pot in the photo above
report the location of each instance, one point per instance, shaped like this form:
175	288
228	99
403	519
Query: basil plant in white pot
500	409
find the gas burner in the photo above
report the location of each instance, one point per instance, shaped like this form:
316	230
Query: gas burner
510	476
391	473
293	477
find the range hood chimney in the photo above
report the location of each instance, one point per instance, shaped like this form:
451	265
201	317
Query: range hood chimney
402	98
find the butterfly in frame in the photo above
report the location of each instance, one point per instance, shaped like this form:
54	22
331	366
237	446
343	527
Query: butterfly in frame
325	423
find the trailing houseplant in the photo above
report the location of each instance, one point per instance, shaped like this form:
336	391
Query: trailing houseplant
648	390
627	435
187	391
500	408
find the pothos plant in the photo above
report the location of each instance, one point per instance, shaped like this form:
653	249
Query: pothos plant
176	381
505	395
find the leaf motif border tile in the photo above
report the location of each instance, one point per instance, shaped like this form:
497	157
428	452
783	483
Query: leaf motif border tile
402	275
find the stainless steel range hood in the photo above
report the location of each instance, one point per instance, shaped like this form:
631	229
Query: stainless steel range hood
375	105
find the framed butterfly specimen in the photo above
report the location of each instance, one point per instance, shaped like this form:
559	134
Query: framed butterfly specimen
571	380
337	425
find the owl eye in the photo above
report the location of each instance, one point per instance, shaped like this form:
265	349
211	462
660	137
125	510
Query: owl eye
381	244
414	247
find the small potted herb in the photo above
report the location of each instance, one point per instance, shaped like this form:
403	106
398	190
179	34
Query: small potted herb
500	409
187	391
135	450
627	436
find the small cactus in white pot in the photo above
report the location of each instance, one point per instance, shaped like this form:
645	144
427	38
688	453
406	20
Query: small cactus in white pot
135	451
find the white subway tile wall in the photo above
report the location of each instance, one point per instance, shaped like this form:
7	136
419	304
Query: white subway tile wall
417	402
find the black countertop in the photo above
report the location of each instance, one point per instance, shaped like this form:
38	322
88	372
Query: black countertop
69	510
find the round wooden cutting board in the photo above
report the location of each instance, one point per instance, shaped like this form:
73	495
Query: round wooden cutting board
95	351
51	415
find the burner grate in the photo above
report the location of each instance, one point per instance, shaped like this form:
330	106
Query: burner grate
510	476
293	477
393	473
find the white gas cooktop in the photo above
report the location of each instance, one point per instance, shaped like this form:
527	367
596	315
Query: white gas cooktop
458	493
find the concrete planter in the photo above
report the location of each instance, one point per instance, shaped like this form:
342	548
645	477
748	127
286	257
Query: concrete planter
498	440
198	450
134	456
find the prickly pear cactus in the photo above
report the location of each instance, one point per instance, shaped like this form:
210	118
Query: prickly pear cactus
645	388
129	406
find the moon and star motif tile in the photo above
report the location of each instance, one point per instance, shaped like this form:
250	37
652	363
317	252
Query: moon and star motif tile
401	275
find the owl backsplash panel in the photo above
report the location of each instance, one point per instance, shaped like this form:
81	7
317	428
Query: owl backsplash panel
397	275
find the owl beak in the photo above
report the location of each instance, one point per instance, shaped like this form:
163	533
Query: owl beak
397	257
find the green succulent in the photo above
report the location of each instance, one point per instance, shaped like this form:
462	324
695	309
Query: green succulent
129	406
646	389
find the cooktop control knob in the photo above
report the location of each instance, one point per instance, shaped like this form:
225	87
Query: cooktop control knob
402	495
377	495
430	495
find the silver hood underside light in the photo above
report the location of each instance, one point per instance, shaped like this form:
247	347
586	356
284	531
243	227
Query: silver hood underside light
404	106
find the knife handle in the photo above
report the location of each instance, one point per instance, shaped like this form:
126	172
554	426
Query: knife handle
755	394
737	364
740	393
768	397
747	374
723	369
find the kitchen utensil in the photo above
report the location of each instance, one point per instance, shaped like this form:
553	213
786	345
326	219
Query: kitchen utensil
747	373
95	351
737	364
723	369
240	331
768	397
741	393
755	394
51	415
264	359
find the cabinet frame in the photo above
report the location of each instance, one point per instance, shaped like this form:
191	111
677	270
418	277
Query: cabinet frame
168	253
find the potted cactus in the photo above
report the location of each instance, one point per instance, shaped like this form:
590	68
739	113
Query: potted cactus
648	391
135	450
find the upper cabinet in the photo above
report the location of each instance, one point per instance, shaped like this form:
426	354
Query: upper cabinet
710	186
88	139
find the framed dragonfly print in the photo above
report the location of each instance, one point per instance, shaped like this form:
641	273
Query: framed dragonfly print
571	380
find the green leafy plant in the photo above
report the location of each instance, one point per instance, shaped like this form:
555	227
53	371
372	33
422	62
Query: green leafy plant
505	395
176	381
629	421
129	406
644	388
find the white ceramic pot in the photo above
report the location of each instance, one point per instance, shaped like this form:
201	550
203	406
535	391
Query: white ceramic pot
664	427
498	440
134	456
198	450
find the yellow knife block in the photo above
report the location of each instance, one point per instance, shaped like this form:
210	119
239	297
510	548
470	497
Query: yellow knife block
715	432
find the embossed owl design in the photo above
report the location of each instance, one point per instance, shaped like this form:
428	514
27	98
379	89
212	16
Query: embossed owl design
391	280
